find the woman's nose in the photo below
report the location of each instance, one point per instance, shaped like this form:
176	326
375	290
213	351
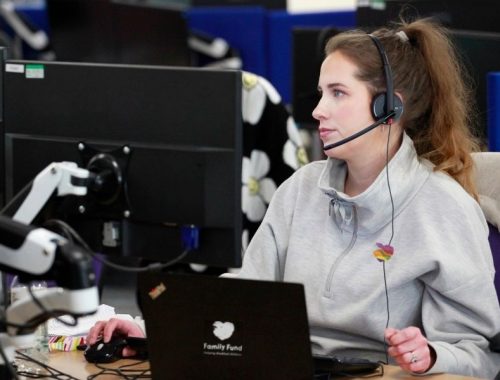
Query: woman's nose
318	112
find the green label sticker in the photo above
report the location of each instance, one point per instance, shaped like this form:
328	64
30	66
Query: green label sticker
35	71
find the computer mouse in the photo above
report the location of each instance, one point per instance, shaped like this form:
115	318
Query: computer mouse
101	352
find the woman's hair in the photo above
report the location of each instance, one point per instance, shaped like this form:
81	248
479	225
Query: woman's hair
438	106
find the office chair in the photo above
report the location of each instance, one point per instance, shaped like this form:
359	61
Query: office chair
487	178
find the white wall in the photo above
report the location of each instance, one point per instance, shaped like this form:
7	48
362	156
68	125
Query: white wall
303	6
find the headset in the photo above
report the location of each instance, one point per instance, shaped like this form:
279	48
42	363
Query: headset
386	107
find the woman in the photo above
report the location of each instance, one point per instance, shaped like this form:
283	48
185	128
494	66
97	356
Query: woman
402	191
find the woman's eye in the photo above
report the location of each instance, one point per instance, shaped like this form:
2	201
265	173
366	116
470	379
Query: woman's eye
338	93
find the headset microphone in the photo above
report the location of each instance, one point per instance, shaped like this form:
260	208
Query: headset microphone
384	120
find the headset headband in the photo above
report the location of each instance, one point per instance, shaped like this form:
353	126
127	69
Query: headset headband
388	76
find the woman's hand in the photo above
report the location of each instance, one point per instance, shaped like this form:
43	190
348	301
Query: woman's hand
409	348
114	327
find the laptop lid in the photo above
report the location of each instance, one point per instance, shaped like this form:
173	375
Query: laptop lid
202	327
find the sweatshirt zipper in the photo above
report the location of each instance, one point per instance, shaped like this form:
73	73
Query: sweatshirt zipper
336	263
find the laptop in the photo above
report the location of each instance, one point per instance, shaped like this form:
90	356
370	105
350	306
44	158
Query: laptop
202	327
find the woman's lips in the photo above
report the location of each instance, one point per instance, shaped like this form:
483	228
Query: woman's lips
325	132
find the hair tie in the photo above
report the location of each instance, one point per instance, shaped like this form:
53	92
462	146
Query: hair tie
402	36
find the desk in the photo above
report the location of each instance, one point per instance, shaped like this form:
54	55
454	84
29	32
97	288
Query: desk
74	364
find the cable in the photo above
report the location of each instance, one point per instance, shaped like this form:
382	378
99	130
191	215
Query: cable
150	267
388	312
34	324
72	234
125	371
52	372
16	199
20	326
49	312
389	183
8	364
390	240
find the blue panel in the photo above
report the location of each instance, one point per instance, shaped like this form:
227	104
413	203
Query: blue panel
36	15
243	28
280	54
494	112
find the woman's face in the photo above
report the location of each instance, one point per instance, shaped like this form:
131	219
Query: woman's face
344	108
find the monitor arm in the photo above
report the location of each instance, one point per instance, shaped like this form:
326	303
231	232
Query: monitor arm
36	38
37	253
63	177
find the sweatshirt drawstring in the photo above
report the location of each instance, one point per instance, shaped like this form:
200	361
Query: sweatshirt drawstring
344	213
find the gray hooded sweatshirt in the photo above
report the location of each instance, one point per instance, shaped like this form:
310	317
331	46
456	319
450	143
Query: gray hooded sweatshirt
439	279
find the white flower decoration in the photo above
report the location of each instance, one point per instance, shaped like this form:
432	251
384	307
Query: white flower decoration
256	90
257	190
245	239
294	153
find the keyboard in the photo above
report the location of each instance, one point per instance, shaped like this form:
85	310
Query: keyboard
344	365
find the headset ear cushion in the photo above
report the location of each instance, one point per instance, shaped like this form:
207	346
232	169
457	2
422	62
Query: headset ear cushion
378	107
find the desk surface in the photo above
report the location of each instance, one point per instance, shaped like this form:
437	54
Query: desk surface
74	364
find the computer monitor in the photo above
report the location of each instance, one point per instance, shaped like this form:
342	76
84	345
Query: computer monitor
480	53
172	136
478	15
111	31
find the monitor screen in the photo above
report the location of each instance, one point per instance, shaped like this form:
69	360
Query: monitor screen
166	140
109	31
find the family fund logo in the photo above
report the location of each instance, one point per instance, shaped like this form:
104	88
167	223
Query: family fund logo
223	330
222	339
